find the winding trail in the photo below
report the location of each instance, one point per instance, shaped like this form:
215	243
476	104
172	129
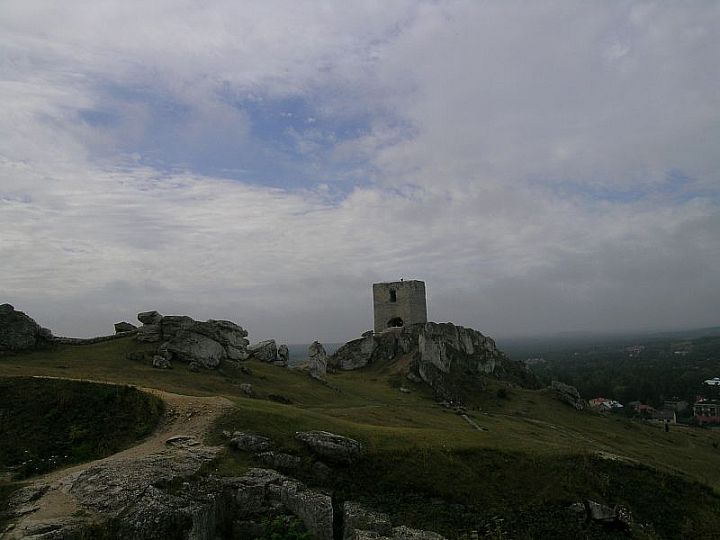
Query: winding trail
48	502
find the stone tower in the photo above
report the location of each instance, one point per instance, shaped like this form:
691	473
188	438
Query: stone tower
400	303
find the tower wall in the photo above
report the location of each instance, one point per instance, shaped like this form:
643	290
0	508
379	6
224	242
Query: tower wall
399	302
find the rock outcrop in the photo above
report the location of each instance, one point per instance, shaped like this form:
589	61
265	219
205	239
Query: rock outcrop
317	360
358	518
260	490
122	327
568	394
133	498
439	354
265	351
19	332
197	343
283	355
250	442
329	445
359	523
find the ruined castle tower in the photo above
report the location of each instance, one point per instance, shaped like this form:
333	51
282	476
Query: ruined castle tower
400	303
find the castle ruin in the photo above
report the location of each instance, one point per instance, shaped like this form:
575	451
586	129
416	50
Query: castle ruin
398	304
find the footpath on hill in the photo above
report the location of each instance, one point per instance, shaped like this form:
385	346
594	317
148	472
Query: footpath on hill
53	501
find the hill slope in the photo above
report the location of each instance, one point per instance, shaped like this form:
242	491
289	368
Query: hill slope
426	465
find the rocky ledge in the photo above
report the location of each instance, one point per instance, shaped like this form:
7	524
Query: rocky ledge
20	332
439	354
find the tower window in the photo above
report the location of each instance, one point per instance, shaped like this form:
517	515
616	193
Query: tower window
393	295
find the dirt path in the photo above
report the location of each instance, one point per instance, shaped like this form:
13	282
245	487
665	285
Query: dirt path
189	416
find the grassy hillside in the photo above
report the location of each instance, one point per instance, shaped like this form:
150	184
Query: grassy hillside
428	467
47	424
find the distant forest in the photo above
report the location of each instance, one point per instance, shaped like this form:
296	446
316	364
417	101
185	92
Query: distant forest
648	369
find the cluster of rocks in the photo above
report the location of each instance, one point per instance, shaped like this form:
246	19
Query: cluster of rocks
19	332
200	344
268	351
264	491
439	354
323	444
568	394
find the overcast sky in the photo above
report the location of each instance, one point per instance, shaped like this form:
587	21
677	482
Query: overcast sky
542	166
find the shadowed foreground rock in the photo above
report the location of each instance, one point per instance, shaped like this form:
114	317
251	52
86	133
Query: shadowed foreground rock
19	332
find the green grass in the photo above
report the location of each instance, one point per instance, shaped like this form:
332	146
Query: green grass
46	423
427	466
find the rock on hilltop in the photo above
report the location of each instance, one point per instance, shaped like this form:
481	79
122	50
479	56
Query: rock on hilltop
19	332
184	339
442	355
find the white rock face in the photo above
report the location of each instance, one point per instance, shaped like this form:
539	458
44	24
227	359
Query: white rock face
265	351
434	353
317	360
189	347
197	343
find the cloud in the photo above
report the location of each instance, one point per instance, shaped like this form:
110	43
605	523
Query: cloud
543	167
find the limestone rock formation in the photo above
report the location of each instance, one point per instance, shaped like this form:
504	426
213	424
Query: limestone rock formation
196	343
134	495
19	332
568	394
356	354
191	347
150	330
122	327
250	442
358	518
283	355
279	460
439	354
265	351
262	489
317	360
329	445
149	317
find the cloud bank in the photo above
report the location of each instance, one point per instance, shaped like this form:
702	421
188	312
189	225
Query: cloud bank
542	167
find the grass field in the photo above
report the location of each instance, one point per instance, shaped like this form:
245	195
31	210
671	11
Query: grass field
427	467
